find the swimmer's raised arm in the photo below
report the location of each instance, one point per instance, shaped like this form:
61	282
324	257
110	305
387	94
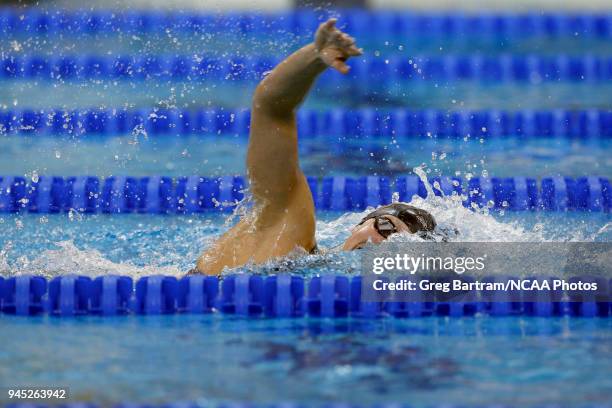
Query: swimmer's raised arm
284	216
287	85
272	159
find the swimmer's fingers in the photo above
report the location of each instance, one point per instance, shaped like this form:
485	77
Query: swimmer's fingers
328	25
335	58
325	31
339	65
335	46
353	51
347	44
346	40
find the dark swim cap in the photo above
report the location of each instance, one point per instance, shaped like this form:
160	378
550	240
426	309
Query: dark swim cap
417	220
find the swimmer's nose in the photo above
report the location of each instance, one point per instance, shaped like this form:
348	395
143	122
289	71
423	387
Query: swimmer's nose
361	235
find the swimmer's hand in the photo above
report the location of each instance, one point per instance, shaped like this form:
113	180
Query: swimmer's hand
335	47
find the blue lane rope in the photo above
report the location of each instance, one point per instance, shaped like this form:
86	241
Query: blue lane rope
362	123
285	295
196	194
380	24
383	70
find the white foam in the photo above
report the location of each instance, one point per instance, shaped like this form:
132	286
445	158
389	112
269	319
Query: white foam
449	212
4	265
473	225
68	259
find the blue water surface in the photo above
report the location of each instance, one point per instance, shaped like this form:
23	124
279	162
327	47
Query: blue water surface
239	35
331	90
137	245
523	362
515	361
211	155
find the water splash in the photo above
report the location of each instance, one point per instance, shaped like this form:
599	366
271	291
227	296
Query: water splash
171	245
602	232
68	259
472	225
4	258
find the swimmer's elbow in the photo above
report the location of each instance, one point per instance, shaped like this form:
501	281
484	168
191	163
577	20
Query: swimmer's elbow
266	100
262	94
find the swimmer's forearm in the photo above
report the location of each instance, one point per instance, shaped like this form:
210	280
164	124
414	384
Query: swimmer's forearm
285	88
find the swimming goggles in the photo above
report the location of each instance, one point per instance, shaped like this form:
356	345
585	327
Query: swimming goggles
384	226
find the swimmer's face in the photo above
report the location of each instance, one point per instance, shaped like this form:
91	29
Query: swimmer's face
374	230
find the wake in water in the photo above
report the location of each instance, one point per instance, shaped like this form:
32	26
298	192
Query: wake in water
68	259
471	225
162	256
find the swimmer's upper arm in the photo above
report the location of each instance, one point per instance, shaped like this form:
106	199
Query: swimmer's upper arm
272	158
286	209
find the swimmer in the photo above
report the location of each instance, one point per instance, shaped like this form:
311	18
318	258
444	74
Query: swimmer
283	215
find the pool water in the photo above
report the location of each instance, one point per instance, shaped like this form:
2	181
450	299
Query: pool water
212	360
248	37
330	90
213	155
139	245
